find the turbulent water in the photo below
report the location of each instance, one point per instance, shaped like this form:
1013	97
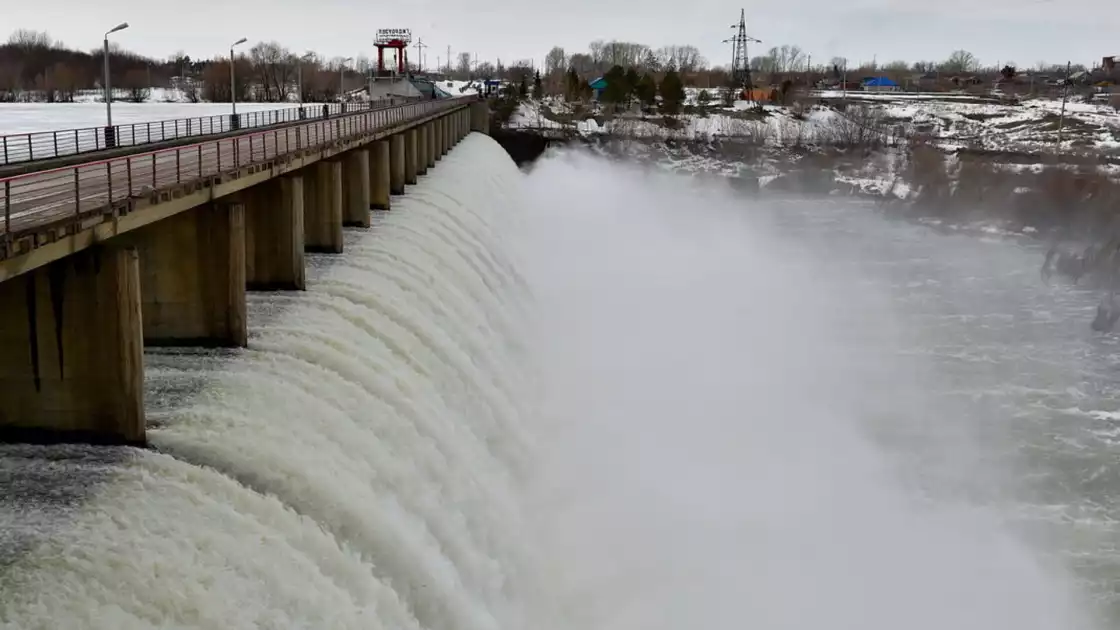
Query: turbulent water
596	397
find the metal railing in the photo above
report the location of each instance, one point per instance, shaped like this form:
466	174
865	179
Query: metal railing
22	148
69	195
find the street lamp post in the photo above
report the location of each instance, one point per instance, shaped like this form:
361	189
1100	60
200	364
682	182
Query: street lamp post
342	77
299	74
110	134
234	122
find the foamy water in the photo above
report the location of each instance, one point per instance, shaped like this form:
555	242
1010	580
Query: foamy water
592	397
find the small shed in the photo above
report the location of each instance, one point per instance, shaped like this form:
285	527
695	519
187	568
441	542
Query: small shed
597	86
880	84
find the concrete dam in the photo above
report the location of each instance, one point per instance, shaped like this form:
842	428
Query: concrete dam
588	395
347	469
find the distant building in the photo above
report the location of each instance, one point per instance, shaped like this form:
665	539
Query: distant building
597	86
880	84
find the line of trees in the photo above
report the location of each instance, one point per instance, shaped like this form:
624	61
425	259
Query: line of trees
34	67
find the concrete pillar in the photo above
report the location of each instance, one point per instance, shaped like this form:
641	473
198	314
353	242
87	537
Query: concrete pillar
410	157
72	364
480	117
192	277
450	131
322	207
431	143
356	189
274	258
458	126
440	149
396	164
422	149
379	176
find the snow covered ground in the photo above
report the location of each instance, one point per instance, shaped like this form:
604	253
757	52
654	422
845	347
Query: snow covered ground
950	121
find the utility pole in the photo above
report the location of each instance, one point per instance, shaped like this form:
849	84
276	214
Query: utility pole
419	46
1062	115
449	60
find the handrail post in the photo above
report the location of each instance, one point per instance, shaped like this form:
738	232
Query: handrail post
7	215
77	194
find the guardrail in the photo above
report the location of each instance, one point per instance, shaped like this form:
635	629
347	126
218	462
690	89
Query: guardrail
68	195
21	148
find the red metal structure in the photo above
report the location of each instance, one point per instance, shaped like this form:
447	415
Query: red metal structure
397	39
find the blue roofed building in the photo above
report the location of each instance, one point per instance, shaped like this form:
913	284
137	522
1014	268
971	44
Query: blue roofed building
880	84
597	86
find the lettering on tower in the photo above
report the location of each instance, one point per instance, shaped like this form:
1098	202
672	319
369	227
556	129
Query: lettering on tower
393	36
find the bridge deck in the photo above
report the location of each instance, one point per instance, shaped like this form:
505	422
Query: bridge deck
74	197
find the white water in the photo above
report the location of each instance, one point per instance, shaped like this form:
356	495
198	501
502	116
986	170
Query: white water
586	398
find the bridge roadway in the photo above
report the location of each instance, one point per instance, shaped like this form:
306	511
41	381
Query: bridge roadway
41	206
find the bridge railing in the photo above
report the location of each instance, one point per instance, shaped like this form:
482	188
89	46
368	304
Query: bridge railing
70	195
42	145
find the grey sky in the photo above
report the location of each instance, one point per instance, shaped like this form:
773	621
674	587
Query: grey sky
993	30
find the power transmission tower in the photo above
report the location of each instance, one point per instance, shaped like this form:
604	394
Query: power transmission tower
740	60
420	46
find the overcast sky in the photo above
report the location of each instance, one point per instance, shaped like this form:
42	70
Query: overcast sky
1025	31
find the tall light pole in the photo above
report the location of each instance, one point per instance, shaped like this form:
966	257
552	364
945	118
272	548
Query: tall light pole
105	79
342	77
299	74
232	84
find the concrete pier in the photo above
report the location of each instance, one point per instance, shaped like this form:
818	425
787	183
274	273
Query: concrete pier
410	150
72	365
274	258
322	207
192	277
439	138
480	117
356	189
431	144
396	164
379	175
422	149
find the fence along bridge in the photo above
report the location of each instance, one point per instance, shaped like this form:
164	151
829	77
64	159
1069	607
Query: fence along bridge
101	258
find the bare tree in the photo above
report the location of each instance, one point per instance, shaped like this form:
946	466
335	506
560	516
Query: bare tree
555	60
463	65
136	83
960	61
27	39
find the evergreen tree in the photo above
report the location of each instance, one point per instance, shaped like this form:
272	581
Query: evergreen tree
523	88
575	85
646	90
703	98
632	80
672	93
538	87
616	92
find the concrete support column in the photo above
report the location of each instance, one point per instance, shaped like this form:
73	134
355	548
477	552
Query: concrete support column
396	164
274	258
422	149
72	365
410	156
379	176
458	126
356	189
480	117
440	148
431	126
322	207
192	277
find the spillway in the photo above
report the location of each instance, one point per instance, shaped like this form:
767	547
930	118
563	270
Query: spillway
597	397
354	468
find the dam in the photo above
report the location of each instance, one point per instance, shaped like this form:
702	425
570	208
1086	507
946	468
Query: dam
590	396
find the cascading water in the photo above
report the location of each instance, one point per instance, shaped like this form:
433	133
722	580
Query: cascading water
354	468
600	398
